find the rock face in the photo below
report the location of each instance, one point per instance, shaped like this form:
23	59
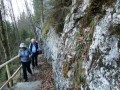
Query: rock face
103	71
101	59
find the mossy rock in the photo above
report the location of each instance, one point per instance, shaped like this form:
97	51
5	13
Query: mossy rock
95	9
65	68
96	6
115	29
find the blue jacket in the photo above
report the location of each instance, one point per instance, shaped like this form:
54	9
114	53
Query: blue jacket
24	55
34	47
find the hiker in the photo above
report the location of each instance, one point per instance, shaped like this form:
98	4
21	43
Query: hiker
34	48
24	54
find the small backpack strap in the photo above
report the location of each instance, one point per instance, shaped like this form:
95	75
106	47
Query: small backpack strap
36	45
31	46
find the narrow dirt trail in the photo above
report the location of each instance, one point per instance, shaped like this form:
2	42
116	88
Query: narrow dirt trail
45	75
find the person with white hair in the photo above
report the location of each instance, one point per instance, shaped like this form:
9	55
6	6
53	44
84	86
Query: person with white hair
34	48
25	54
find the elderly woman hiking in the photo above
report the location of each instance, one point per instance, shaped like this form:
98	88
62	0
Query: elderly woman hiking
24	54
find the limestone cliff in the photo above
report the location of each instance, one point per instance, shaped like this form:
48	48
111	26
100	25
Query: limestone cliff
87	53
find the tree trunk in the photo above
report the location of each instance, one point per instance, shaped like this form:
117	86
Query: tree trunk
6	29
4	42
15	24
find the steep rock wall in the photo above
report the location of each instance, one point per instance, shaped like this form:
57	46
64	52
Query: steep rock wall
104	56
99	54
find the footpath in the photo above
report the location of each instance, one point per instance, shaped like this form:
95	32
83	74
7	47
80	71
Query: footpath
42	78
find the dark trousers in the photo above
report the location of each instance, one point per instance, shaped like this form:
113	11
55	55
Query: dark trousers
26	67
34	60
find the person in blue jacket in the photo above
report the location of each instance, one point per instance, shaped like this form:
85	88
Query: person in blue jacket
25	54
34	48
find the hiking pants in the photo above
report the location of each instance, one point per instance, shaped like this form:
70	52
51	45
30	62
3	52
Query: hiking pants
26	67
34	60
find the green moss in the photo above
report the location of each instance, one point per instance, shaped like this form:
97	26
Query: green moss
92	24
115	29
82	49
97	5
95	10
108	3
59	28
85	21
75	87
65	68
79	76
79	49
46	29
